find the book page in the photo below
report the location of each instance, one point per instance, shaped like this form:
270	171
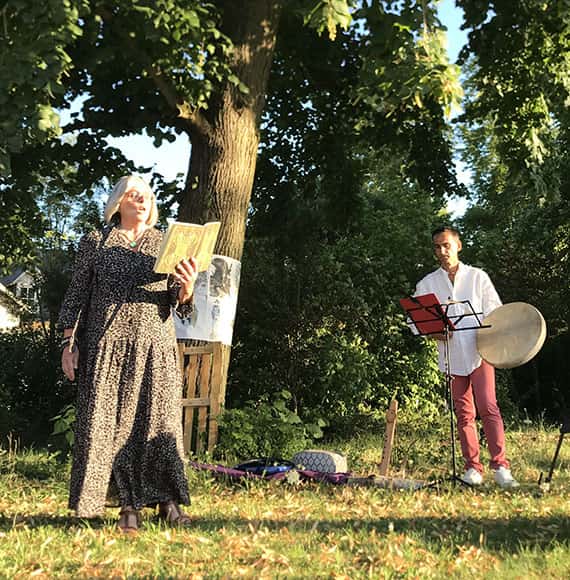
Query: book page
182	241
204	253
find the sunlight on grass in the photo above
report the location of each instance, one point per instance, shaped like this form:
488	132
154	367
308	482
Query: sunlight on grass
264	529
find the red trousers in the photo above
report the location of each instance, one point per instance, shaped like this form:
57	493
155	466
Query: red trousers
476	392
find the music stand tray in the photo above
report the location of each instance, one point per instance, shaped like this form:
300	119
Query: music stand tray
427	314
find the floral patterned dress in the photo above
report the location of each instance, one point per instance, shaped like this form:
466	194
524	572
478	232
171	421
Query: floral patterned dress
128	431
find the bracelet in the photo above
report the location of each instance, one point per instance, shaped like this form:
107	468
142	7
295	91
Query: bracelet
67	341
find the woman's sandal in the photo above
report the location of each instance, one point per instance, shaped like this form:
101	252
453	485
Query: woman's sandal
172	514
129	520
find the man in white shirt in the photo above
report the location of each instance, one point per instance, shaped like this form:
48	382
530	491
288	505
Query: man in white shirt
473	379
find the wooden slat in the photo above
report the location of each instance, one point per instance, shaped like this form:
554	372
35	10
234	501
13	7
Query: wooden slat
391	416
216	401
204	391
181	361
190	376
205	349
190	392
199	402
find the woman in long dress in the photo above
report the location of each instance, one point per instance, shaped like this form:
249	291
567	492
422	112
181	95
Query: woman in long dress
119	336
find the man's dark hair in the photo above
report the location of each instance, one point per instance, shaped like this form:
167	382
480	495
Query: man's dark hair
442	229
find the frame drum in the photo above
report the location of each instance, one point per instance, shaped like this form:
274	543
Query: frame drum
517	333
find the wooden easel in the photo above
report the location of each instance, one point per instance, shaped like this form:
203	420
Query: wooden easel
203	394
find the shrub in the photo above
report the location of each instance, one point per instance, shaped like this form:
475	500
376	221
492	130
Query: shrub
32	386
265	428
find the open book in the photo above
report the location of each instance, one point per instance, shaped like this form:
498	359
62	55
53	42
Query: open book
182	241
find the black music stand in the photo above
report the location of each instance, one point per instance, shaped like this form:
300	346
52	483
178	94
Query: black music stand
564	428
428	316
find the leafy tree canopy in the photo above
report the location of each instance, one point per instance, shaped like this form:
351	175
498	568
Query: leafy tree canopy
522	73
167	66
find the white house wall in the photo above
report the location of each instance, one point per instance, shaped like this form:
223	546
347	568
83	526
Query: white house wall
7	319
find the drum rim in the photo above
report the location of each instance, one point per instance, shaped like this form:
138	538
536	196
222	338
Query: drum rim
530	354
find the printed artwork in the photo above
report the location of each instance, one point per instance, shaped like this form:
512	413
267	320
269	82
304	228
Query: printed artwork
215	303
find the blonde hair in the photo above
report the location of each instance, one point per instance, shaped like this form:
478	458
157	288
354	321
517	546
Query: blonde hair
112	212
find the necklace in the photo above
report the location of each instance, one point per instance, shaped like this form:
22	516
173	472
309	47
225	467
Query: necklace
137	239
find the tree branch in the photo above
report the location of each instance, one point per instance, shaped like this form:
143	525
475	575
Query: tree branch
195	122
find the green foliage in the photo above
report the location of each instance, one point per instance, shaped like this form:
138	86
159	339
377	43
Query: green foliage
422	77
522	72
32	388
58	51
34	67
516	140
330	15
19	224
319	313
540	387
63	424
266	427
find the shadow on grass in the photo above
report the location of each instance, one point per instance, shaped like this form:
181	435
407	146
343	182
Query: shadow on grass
500	534
542	463
42	520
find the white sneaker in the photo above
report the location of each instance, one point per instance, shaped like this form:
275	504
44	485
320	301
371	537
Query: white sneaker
505	479
472	477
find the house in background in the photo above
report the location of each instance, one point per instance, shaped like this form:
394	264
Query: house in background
21	284
11	309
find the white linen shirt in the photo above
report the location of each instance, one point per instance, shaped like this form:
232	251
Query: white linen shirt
471	284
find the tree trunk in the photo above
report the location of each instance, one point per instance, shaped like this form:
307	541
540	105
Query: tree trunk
225	138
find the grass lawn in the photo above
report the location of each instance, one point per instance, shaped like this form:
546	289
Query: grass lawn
276	530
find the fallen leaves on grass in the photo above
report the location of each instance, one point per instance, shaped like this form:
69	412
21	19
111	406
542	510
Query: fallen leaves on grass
265	529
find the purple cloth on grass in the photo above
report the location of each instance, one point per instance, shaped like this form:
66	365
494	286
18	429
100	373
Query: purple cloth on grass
305	474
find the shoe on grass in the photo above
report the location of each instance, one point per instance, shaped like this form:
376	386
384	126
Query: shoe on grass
505	479
472	477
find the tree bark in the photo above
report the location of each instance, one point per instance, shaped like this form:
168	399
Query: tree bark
225	138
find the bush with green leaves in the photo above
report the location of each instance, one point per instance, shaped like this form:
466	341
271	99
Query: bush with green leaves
32	386
266	428
319	313
63	424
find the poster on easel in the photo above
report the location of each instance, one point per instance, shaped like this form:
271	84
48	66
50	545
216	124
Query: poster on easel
215	303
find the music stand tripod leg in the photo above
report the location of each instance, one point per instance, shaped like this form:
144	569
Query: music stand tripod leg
564	428
448	384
